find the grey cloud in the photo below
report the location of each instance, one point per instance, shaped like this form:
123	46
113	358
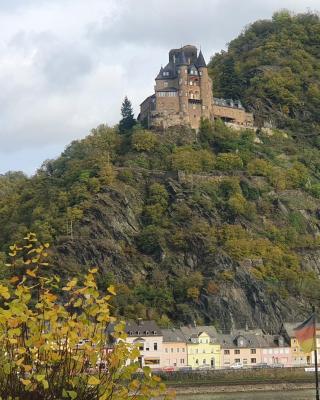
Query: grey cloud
71	70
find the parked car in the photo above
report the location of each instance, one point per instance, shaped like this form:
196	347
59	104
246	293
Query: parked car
278	365
204	367
261	365
236	365
186	369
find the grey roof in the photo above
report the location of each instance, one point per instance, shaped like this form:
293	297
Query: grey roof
168	68
254	339
201	61
140	328
182	59
190	332
173	335
160	74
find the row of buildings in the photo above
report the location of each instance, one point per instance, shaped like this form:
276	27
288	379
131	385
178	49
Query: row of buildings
202	347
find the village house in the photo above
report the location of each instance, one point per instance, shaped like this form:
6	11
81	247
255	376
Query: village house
276	351
174	349
203	349
241	348
149	339
183	95
298	357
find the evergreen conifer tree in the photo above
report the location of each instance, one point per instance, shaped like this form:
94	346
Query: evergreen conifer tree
128	120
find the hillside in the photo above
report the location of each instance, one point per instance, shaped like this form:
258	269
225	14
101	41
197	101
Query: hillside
220	227
273	67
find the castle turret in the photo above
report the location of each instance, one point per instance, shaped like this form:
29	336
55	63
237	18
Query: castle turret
205	86
183	85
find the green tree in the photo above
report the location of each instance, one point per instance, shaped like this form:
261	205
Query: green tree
128	121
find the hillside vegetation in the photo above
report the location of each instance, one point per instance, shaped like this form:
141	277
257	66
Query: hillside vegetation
217	227
274	68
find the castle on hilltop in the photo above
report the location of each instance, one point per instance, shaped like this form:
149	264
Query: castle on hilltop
183	95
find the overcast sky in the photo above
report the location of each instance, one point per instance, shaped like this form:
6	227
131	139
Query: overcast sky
65	65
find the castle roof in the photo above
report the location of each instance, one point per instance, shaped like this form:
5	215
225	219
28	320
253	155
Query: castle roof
182	59
201	61
160	74
169	69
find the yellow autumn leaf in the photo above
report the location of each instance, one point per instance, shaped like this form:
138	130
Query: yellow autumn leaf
32	273
93	271
4	292
93	380
26	382
111	289
45	384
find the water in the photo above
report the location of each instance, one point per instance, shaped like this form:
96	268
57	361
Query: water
289	395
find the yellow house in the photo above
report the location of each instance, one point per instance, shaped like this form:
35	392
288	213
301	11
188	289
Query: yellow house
298	357
203	349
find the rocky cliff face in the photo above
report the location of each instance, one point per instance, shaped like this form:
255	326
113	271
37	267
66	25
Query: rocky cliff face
108	237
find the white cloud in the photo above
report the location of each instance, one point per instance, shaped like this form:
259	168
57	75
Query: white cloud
65	65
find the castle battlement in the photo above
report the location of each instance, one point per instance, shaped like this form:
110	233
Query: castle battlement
183	95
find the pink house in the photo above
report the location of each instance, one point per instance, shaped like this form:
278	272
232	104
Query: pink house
276	351
174	349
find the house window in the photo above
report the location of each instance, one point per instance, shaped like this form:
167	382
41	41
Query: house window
171	350
237	351
237	360
227	352
197	361
165	84
253	360
166	350
141	346
178	350
204	361
253	351
155	346
147	348
182	360
182	350
197	351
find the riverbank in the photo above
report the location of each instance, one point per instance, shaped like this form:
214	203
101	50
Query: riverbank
236	381
210	389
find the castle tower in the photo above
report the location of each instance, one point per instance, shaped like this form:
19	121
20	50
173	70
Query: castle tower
205	86
182	69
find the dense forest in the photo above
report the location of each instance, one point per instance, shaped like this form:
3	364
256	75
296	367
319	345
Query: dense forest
218	227
273	67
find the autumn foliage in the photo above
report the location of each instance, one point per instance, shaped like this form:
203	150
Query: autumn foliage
56	347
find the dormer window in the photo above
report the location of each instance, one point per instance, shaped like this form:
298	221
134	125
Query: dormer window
154	332
138	333
147	332
165	73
